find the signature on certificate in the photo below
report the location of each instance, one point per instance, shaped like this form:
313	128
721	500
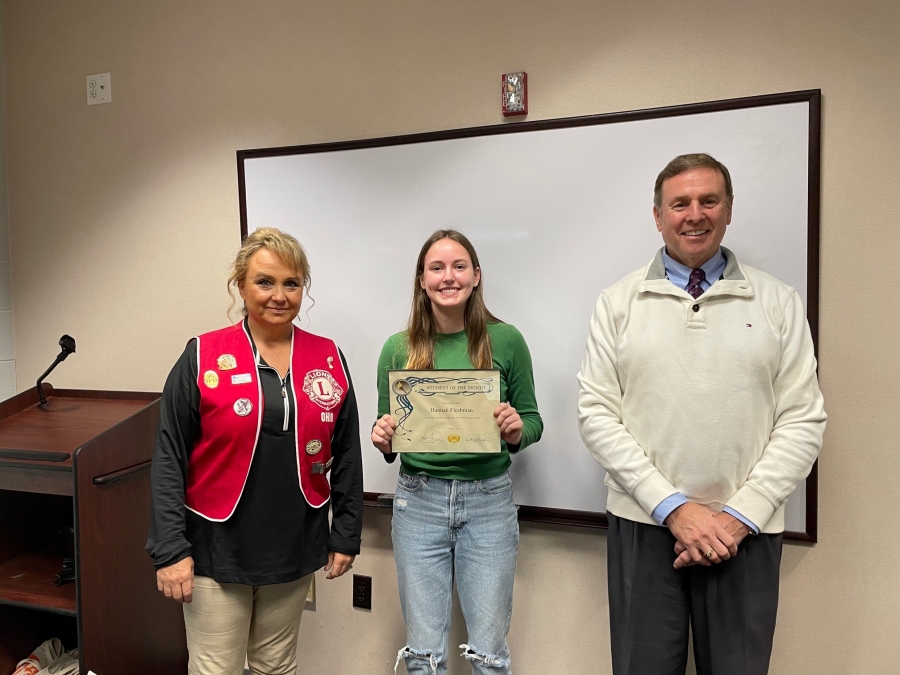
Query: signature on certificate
478	438
429	438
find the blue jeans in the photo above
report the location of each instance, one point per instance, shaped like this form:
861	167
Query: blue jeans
466	528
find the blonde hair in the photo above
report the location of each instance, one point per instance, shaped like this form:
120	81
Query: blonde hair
283	245
421	326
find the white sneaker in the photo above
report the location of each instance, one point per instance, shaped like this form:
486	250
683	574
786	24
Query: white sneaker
67	664
40	658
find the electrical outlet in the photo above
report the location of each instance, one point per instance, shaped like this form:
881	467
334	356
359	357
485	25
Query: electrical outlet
99	89
362	591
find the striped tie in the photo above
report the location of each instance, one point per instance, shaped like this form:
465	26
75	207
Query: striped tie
693	287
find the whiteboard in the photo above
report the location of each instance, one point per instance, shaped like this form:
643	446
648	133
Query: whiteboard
558	210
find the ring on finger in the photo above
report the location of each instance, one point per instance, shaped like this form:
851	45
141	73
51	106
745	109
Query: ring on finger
709	553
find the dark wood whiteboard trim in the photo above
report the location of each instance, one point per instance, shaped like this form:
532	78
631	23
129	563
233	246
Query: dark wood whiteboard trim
812	293
539	514
811	96
242	195
378	500
534	125
814	175
571	518
812	509
808	95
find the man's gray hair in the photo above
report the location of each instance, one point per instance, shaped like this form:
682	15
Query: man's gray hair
682	163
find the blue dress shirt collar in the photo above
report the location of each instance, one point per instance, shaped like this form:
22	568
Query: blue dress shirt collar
679	274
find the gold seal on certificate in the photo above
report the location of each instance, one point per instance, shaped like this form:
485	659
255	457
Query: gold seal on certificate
445	410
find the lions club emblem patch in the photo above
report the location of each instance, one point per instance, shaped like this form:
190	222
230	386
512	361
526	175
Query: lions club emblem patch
322	389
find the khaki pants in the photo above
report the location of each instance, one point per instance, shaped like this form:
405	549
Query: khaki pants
226	622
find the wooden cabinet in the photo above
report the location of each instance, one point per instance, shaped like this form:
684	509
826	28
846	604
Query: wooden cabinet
81	466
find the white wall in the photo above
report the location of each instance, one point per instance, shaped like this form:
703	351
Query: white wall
123	218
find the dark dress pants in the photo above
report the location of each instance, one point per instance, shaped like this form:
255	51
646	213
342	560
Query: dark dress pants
730	607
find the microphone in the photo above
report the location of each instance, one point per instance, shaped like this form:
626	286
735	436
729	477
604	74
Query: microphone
67	346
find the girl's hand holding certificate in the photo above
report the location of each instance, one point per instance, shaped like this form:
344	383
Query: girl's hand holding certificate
510	423
505	415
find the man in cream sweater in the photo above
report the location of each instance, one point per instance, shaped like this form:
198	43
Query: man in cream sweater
698	396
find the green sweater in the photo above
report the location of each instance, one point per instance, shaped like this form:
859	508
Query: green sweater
512	358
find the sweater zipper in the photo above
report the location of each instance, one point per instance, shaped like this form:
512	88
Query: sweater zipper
287	407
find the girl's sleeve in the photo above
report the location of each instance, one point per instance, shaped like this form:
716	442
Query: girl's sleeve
520	390
386	362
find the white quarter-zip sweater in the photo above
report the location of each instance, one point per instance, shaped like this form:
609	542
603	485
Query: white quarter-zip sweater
716	398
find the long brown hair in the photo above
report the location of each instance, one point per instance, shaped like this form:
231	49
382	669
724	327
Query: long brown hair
421	327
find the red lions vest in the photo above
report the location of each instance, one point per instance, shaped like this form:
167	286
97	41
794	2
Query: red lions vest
231	412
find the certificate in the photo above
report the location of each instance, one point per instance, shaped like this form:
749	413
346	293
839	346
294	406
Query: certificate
445	410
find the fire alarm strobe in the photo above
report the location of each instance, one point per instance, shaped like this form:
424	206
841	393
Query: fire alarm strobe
514	96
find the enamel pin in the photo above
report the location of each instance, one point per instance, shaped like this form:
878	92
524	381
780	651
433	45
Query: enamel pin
226	362
243	407
210	379
313	447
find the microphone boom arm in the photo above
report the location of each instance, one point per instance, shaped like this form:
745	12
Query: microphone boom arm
44	402
67	344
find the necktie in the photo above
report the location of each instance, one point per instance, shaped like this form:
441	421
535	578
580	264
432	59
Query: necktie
697	277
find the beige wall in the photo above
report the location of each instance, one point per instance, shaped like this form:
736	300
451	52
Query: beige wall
7	339
123	218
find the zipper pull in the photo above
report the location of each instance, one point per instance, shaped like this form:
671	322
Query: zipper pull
283	391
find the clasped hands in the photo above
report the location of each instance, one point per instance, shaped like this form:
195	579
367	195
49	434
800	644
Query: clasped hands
176	581
507	419
699	530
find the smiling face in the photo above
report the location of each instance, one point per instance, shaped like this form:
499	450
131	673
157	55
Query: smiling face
448	277
272	292
693	214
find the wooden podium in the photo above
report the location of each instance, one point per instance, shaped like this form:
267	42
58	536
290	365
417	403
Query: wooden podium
82	463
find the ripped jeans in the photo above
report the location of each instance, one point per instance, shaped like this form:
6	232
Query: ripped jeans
467	529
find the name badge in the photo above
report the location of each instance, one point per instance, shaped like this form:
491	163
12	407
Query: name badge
243	378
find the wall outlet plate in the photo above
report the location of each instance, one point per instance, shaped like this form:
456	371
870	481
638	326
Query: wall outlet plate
362	591
99	89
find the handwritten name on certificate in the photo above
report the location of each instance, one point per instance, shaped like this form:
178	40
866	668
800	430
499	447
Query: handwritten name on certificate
445	410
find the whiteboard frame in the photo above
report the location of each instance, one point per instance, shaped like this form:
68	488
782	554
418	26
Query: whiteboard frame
812	97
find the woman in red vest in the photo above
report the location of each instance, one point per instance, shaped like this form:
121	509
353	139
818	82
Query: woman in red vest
454	516
258	432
